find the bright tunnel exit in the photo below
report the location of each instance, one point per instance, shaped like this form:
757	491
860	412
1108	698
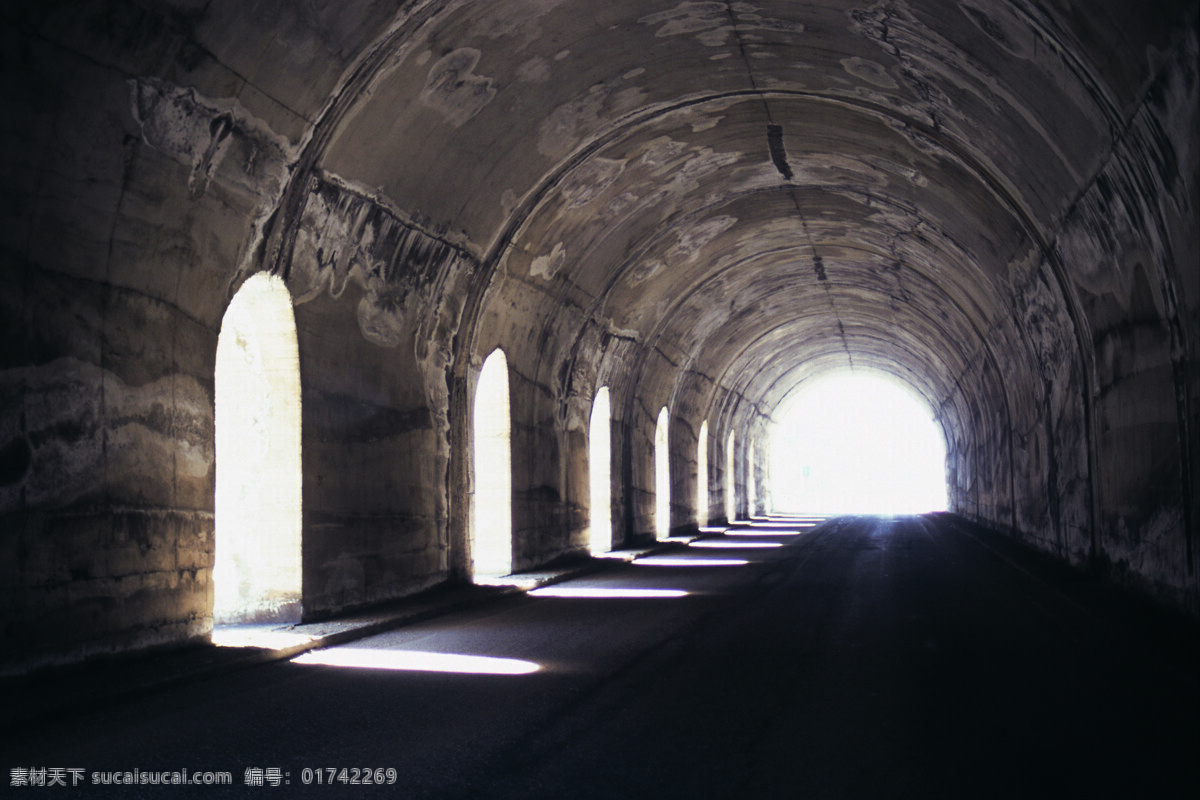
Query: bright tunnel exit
854	443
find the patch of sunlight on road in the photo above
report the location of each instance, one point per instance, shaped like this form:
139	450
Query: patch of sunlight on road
602	593
673	561
416	661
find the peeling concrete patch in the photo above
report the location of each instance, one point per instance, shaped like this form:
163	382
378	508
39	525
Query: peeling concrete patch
907	173
508	201
79	422
702	163
571	122
870	71
590	180
688	17
1001	26
717	37
660	151
517	21
347	238
837	170
205	133
645	271
535	70
694	239
60	418
548	266
454	89
619	204
712	25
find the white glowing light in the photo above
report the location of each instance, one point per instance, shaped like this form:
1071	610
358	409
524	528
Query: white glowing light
600	593
416	661
599	473
719	545
671	561
762	533
257	568
491	513
855	443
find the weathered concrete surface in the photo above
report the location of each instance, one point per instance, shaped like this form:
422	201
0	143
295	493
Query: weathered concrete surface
700	205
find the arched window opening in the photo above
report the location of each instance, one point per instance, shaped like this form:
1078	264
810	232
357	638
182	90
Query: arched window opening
702	476
600	472
730	479
491	517
662	478
855	443
257	566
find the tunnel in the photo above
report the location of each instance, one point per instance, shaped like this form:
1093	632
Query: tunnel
693	210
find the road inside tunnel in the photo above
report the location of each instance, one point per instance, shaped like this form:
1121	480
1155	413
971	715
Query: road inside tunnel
913	656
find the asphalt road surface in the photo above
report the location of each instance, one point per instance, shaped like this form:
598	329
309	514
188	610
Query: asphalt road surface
864	657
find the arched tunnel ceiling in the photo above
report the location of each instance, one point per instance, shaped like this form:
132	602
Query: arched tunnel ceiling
759	189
